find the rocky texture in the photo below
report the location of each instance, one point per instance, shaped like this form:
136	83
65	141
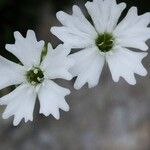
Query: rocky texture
111	116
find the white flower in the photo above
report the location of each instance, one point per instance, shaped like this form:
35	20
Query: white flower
34	78
107	41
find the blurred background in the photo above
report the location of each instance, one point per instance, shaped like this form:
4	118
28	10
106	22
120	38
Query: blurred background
111	116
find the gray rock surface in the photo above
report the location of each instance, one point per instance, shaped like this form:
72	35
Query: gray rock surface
111	116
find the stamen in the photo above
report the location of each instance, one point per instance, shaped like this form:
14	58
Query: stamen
35	76
36	71
39	79
101	44
33	83
105	42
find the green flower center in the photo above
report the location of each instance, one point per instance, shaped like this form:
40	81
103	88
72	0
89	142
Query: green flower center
35	76
105	42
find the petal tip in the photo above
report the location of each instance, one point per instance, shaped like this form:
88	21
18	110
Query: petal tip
56	116
68	92
4	116
92	85
53	30
124	5
132	83
67	108
77	87
59	15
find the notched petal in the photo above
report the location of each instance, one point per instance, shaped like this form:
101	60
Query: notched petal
57	63
125	63
20	103
27	50
51	97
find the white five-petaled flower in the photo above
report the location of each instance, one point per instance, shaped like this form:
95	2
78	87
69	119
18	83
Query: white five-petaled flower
108	40
34	78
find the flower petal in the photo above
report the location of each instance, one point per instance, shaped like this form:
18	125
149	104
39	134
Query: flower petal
77	30
51	97
11	73
105	14
124	63
132	31
88	67
27	50
20	103
56	63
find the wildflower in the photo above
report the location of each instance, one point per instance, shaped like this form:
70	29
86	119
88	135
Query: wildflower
107	41
34	78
